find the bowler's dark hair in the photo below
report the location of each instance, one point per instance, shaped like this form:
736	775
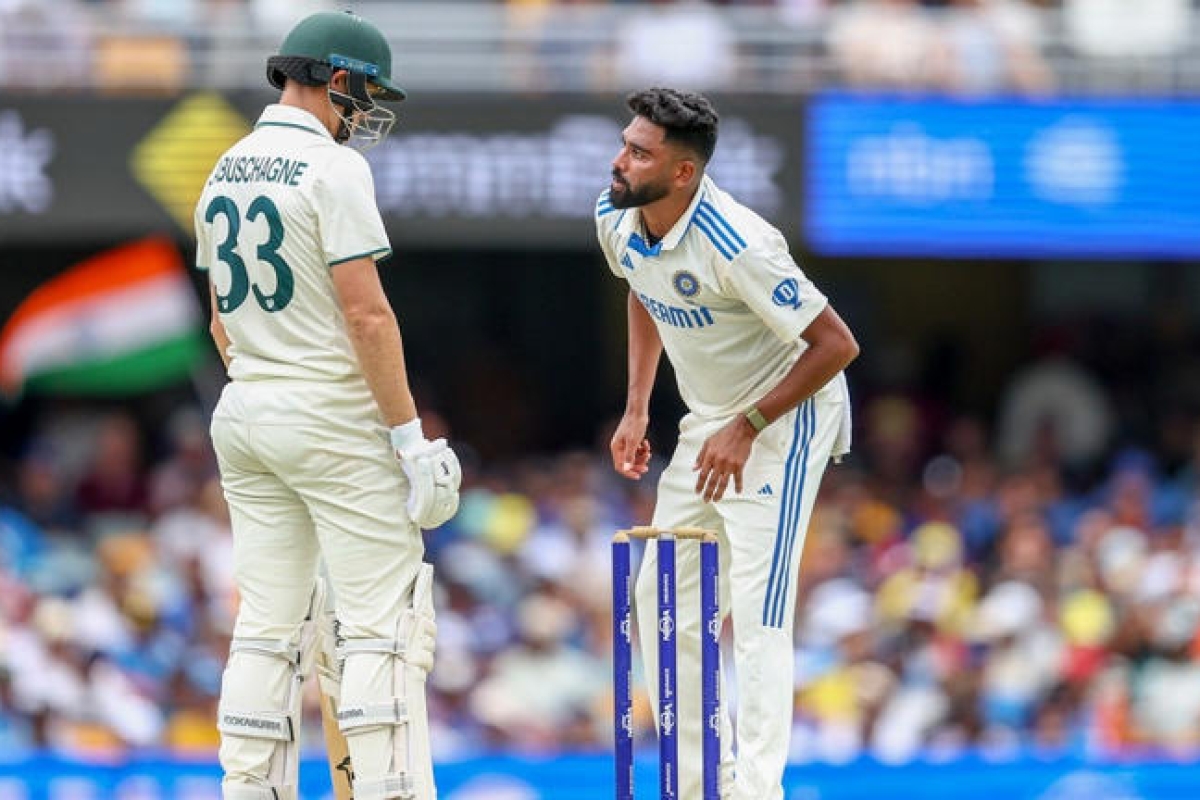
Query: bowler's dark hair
688	119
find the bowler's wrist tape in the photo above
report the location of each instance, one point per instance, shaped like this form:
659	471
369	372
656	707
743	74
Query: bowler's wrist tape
756	419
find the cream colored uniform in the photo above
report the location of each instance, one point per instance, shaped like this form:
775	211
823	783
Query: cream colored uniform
730	305
304	454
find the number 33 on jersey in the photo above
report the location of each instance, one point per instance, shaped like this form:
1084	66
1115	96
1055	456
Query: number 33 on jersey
279	210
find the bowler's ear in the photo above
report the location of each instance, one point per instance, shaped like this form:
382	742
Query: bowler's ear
685	172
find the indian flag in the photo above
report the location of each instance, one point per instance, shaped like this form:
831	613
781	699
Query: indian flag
124	321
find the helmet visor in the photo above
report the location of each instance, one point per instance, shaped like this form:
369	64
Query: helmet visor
381	86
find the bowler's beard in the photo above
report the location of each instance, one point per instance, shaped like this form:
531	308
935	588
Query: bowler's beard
623	195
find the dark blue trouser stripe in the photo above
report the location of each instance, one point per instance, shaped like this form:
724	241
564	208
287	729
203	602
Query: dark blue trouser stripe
810	410
799	432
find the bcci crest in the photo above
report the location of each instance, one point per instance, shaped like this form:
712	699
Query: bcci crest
685	283
666	626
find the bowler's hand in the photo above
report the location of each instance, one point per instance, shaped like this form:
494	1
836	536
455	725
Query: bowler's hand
723	456
630	447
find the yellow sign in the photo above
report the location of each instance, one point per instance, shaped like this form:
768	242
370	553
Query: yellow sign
174	159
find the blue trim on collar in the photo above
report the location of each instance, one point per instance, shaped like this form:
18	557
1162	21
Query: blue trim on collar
639	244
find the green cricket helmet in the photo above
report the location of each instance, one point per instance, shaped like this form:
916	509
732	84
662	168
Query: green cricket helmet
323	43
332	40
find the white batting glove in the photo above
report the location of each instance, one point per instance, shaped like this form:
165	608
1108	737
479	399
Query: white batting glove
433	472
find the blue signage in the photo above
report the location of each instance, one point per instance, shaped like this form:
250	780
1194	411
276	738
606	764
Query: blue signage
590	777
1094	178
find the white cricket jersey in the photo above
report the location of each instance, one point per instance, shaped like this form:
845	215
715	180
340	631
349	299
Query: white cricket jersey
281	209
726	296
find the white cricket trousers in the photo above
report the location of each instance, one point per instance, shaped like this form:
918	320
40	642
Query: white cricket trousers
309	473
761	535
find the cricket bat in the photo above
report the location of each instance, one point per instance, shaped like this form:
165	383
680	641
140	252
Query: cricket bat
341	772
328	674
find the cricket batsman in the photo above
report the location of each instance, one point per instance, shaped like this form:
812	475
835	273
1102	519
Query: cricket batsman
320	448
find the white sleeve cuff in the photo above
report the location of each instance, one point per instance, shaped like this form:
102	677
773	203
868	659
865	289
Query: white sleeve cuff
407	436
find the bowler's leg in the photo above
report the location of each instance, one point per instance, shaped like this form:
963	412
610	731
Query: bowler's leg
766	529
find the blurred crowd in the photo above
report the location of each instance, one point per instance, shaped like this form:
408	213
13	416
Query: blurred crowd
1032	584
960	46
1023	581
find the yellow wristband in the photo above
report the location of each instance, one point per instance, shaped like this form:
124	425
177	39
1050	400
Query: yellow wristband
756	419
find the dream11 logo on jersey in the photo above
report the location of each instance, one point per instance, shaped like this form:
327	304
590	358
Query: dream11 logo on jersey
554	174
24	156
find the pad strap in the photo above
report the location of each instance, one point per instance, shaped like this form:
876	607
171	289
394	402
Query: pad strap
272	725
279	648
385	788
391	647
393	713
422	634
250	791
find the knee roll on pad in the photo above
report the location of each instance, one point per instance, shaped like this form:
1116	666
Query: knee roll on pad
282	725
411	653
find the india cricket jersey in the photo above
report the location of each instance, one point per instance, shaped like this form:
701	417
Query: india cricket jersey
281	209
727	298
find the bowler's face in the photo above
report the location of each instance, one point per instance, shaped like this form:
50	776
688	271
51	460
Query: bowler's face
642	169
